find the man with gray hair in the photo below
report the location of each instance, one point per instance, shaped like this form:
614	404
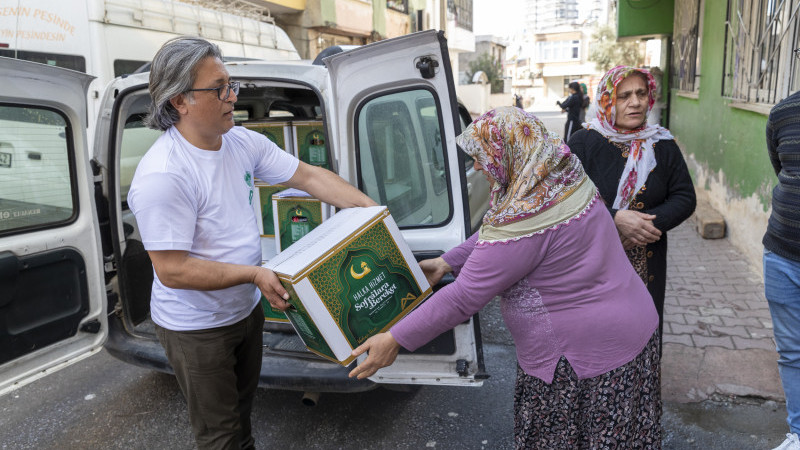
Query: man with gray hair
191	196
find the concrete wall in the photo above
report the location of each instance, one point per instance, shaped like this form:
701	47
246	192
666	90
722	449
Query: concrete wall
478	100
397	23
725	145
475	97
354	16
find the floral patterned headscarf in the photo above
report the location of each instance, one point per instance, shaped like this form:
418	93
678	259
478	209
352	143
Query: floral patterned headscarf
532	171
641	157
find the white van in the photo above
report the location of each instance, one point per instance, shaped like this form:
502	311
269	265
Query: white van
111	38
74	276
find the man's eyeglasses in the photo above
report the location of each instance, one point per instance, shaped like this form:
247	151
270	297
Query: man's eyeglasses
224	91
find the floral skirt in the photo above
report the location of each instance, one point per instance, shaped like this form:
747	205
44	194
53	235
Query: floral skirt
620	409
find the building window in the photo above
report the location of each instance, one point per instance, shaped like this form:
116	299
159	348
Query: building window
398	5
759	38
686	45
555	51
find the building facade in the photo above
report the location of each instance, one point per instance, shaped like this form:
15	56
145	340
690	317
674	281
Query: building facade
314	25
492	46
553	49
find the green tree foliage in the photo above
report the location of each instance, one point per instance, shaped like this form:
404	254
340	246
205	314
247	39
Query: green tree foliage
491	67
606	52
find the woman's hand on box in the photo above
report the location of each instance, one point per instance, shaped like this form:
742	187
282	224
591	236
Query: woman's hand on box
434	269
381	352
271	288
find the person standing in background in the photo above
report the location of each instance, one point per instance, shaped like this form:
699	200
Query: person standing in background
782	254
572	106
586	102
639	170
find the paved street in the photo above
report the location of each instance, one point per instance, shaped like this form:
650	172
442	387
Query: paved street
720	379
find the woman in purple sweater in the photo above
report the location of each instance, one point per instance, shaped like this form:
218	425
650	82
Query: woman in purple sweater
583	322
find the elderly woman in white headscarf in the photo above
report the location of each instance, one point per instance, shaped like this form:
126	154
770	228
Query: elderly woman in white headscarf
639	171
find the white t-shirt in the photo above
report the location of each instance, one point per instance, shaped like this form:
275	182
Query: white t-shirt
186	198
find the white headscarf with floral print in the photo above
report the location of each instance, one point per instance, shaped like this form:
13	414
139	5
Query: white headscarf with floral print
641	157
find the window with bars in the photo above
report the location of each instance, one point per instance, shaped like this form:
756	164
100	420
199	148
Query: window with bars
461	12
686	45
759	38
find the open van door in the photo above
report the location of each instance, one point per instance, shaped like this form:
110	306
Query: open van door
52	289
396	122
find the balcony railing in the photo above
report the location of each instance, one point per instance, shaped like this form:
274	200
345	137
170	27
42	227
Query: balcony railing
461	12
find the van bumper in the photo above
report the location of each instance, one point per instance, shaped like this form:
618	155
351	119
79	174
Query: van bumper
277	371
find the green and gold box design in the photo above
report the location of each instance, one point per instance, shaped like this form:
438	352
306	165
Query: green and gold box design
365	285
271	314
277	132
265	192
310	142
294	218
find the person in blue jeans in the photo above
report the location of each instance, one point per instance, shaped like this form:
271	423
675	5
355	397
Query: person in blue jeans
782	254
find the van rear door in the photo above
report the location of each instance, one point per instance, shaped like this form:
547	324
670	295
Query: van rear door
396	122
52	289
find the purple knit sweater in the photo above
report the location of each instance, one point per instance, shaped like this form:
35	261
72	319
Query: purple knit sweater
568	290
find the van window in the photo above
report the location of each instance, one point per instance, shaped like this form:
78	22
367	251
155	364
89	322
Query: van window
429	119
35	178
463	115
401	159
52	59
136	140
127	66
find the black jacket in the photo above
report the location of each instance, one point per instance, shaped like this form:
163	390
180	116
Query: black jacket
668	193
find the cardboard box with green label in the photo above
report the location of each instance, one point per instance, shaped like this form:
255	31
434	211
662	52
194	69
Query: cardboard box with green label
310	143
262	204
350	278
278	132
295	213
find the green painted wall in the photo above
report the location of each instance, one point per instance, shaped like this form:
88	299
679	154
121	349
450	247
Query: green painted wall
644	17
379	16
722	137
327	11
